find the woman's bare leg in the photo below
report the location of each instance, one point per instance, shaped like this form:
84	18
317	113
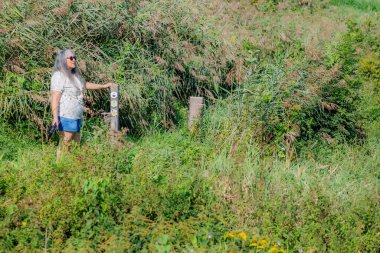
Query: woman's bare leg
64	143
67	137
77	137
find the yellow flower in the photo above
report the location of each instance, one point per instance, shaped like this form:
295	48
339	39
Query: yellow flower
282	250
260	247
242	235
229	235
253	244
264	243
274	249
23	223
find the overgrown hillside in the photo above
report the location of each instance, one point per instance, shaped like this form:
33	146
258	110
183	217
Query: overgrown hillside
287	156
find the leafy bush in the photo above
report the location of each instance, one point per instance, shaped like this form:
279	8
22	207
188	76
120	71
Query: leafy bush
291	100
168	184
370	66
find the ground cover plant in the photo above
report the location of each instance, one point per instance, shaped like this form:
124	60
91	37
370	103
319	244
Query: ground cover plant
286	158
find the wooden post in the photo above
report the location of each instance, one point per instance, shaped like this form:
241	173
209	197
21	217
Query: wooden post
195	112
115	108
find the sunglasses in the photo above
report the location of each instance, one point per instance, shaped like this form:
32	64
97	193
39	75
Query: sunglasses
72	58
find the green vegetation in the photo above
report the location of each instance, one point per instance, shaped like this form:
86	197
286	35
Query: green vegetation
365	5
286	159
156	57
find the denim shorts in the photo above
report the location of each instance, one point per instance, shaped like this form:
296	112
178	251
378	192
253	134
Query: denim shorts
69	125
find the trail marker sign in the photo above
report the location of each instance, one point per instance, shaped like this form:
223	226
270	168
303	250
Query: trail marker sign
115	108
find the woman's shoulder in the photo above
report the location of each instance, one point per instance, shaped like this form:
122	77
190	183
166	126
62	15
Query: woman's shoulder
57	74
58	80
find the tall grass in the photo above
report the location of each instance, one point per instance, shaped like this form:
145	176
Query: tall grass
365	5
12	141
157	52
192	191
267	168
160	54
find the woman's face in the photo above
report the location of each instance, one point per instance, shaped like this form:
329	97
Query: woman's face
70	61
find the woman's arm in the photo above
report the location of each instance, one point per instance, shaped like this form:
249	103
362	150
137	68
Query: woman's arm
95	86
55	98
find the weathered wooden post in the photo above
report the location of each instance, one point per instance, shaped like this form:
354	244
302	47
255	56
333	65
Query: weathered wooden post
195	112
115	108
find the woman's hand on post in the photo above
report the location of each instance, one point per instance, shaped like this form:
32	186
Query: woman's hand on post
95	86
108	85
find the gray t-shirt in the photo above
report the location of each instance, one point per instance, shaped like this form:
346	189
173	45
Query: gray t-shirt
71	104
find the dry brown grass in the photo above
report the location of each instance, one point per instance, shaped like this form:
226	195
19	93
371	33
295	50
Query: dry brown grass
61	11
82	66
329	106
40	98
237	21
17	69
229	19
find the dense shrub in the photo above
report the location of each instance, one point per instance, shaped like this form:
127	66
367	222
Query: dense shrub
289	98
158	59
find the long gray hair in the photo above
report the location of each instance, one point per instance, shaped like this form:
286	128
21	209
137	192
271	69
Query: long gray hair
61	66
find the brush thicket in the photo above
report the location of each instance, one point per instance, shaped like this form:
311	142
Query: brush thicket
157	52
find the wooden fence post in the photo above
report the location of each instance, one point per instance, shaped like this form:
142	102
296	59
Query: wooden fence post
195	112
115	108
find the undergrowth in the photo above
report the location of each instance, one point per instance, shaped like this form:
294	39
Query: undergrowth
185	192
286	158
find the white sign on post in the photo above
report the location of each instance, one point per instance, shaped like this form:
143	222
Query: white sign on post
115	107
114	94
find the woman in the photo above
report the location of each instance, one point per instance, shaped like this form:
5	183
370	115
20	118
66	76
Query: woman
67	88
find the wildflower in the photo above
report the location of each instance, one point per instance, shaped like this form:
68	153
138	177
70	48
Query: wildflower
229	235
253	244
23	223
242	235
281	250
263	244
274	249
